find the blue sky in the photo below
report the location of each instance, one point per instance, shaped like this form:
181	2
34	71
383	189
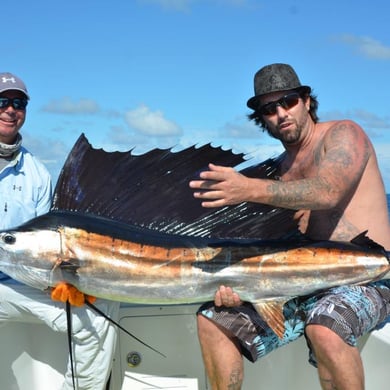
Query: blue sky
171	73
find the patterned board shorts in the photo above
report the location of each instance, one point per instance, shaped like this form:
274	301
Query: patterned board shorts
350	311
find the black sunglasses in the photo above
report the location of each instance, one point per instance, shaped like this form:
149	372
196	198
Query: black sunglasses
17	103
286	102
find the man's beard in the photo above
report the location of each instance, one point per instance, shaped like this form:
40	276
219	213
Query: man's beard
289	137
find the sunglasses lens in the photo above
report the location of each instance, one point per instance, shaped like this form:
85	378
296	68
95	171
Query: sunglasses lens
4	102
286	102
17	103
289	101
268	109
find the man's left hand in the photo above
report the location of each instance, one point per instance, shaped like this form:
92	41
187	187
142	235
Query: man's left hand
220	186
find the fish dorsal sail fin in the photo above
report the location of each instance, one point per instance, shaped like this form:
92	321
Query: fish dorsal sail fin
151	190
365	241
272	313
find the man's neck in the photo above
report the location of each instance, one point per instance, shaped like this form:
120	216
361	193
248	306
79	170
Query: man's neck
8	150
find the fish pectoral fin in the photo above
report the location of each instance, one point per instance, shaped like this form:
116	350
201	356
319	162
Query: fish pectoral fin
272	314
69	266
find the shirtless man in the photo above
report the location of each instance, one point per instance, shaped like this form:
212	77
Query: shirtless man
330	175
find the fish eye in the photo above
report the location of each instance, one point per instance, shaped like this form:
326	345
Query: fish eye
9	238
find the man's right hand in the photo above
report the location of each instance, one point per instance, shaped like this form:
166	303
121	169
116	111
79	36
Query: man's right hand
225	296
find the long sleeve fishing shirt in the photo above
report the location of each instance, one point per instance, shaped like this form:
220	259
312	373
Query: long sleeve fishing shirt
25	191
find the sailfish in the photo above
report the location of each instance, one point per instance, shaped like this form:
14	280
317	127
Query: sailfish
126	227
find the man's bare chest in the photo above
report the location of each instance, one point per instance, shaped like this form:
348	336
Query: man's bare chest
300	166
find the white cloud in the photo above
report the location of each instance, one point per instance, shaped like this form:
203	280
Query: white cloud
367	46
370	119
240	128
152	123
66	105
374	125
51	151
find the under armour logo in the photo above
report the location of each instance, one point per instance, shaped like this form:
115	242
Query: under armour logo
11	79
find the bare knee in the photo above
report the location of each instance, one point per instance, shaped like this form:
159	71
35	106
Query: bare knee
209	333
209	330
213	336
325	343
321	336
202	321
318	333
205	326
221	355
339	364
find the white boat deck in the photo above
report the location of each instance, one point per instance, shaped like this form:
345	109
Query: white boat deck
34	357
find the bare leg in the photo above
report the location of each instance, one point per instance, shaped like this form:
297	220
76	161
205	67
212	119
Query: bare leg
339	365
221	356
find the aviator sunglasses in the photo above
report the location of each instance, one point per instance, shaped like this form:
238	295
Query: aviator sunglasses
17	103
286	102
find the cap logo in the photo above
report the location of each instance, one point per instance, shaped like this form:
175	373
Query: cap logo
5	79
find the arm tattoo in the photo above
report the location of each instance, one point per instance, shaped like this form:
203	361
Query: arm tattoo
344	152
300	194
340	161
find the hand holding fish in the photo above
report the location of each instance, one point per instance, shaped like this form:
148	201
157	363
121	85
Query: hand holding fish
221	186
64	292
225	296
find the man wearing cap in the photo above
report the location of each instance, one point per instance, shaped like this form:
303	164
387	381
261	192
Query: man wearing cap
25	189
330	175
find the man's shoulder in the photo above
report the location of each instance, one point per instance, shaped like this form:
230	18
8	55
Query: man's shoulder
340	124
342	129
